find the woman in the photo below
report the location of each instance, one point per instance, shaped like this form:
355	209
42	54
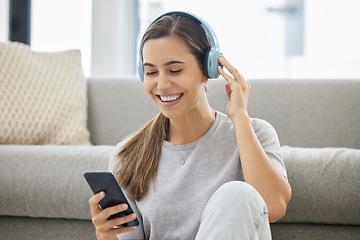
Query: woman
192	172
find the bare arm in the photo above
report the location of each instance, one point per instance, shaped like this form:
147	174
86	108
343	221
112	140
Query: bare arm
260	172
257	168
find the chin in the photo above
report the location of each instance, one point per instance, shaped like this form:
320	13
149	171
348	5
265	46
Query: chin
170	114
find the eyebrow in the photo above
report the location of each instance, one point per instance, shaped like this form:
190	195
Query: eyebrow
166	64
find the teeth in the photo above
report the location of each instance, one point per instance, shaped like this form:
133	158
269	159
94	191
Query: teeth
170	98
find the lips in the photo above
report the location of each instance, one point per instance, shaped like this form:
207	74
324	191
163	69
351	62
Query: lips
170	99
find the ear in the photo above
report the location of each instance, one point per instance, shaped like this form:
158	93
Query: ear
205	79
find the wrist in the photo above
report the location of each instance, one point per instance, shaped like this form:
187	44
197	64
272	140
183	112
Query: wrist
240	118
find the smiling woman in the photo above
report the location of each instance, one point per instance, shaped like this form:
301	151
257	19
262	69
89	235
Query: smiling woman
191	156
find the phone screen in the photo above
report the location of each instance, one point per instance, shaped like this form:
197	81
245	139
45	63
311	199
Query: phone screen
106	182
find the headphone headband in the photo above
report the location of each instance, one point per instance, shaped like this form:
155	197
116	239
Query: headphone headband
203	23
211	61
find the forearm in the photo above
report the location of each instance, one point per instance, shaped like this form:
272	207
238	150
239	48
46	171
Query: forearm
259	171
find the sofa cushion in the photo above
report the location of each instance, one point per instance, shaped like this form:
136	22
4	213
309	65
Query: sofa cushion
117	108
317	106
47	181
42	97
325	184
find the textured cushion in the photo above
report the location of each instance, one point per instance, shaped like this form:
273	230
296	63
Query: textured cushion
325	184
47	181
42	97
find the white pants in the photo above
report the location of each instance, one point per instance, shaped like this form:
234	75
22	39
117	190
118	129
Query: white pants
235	211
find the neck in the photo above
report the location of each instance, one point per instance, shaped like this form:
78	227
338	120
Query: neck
190	128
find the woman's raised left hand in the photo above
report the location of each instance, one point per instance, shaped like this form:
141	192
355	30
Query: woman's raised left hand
237	89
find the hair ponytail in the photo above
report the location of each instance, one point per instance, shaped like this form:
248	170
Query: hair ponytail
138	159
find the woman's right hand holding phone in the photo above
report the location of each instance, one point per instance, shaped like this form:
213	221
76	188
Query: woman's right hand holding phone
108	229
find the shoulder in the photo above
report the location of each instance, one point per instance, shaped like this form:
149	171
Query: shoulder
223	127
264	131
261	125
266	134
114	154
224	120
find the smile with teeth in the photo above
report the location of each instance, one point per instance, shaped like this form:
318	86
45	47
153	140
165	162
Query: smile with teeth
171	98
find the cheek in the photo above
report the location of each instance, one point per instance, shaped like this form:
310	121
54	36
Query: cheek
195	84
148	86
192	79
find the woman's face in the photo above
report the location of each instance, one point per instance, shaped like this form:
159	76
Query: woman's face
173	77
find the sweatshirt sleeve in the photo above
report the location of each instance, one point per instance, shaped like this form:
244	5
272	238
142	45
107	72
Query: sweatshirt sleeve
269	140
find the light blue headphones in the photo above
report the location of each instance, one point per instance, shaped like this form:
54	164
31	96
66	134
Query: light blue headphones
211	59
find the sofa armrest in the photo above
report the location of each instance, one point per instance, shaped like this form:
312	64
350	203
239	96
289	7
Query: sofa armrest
325	184
47	181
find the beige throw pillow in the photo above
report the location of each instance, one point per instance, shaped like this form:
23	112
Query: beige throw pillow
42	97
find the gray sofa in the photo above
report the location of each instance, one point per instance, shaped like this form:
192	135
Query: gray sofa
43	194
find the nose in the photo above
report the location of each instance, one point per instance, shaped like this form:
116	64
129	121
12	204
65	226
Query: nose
163	83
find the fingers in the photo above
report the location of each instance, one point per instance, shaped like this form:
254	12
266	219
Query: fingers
119	221
228	78
110	228
106	228
123	230
234	72
112	232
237	77
106	213
100	215
228	91
94	203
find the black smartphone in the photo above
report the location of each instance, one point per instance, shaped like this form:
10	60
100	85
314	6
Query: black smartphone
106	182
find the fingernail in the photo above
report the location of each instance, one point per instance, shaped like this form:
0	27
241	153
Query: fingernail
123	206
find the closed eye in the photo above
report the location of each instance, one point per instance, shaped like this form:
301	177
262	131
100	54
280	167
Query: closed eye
175	71
150	73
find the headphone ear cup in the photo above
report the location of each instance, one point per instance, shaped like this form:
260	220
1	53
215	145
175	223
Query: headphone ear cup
140	70
211	63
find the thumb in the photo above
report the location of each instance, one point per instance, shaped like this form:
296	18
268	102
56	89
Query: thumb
228	91
94	203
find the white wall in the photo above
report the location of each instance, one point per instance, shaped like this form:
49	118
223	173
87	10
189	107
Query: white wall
114	32
250	37
59	25
253	39
4	20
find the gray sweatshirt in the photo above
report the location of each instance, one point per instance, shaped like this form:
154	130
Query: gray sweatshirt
173	209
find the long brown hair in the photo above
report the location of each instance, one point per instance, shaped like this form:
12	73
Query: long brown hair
138	159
